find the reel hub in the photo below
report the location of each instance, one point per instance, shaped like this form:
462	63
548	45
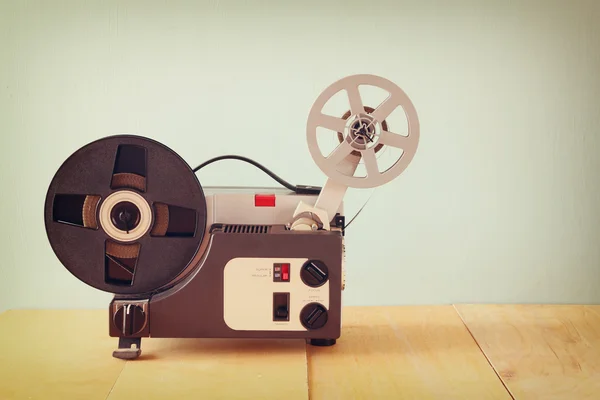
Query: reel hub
363	132
125	216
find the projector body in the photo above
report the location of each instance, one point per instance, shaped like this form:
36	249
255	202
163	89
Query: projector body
253	277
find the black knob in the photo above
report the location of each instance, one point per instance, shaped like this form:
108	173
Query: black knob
314	273
313	316
130	319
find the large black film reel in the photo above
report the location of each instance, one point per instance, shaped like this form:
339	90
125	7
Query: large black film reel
125	214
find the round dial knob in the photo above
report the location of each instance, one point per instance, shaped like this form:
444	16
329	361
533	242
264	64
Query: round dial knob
130	319
314	273
313	316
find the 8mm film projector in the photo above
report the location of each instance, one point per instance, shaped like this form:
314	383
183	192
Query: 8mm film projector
127	215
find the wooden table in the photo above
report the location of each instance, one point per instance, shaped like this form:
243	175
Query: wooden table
423	352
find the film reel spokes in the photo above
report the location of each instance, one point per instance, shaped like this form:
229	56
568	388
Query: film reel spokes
363	133
125	214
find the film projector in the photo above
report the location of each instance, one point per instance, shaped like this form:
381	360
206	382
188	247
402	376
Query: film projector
127	215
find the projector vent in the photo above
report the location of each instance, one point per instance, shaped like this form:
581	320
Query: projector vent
246	228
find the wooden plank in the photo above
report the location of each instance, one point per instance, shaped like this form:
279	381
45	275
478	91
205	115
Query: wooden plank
402	353
55	354
215	369
540	351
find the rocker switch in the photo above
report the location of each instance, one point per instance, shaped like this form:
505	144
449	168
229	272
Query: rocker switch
281	306
285	272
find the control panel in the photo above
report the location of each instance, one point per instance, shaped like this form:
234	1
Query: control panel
275	294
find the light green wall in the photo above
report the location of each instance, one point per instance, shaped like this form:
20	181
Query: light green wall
499	205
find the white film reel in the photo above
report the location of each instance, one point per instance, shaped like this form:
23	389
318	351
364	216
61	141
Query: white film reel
362	132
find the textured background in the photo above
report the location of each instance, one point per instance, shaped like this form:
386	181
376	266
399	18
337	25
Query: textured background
499	205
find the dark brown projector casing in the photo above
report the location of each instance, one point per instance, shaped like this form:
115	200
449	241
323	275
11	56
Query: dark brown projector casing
195	306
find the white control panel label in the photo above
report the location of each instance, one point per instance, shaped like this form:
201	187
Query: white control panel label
268	294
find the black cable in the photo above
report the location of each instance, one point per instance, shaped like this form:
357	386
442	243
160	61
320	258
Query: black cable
299	189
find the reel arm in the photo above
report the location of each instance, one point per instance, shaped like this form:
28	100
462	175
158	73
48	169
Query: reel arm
330	198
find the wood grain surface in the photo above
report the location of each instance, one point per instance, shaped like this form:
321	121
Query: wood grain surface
540	351
50	354
412	352
402	353
215	369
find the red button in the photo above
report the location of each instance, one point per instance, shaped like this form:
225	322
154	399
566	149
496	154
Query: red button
285	272
264	200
